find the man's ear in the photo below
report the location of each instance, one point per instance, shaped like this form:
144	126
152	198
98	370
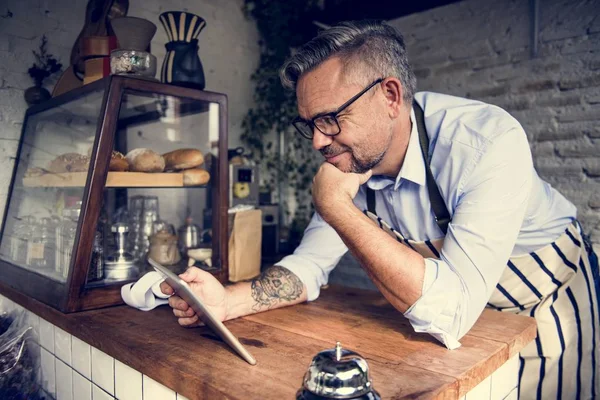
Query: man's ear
393	91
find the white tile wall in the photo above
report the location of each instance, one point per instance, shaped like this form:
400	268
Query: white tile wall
99	394
48	369
155	391
47	335
64	381
62	345
505	379
103	370
481	391
82	357
128	382
513	395
82	387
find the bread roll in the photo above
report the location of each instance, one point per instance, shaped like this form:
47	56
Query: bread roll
69	162
118	162
183	159
145	160
195	177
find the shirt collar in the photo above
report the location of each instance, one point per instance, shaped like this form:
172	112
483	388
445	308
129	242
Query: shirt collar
413	167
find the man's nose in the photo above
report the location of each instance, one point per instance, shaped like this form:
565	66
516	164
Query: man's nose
320	140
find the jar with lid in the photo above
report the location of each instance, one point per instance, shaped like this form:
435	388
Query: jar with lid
19	241
42	247
66	232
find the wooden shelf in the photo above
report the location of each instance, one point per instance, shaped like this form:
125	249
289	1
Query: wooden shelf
114	179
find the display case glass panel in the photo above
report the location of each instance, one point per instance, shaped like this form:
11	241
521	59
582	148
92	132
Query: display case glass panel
43	211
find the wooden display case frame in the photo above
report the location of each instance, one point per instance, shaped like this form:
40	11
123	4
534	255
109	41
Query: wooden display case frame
74	295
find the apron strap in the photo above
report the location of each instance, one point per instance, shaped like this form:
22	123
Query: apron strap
442	216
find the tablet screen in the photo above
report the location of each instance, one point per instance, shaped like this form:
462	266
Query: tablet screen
183	290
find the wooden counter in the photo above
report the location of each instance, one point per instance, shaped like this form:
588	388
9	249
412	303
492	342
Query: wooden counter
193	362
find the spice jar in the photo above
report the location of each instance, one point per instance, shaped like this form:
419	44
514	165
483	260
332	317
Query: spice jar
163	248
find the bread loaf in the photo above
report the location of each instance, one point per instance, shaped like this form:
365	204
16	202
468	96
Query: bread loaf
69	162
195	177
183	159
145	160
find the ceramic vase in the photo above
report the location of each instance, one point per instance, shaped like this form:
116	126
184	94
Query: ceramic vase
182	65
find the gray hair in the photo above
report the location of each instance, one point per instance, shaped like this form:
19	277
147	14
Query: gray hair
375	48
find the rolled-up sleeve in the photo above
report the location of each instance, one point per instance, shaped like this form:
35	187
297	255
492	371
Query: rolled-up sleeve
316	256
480	239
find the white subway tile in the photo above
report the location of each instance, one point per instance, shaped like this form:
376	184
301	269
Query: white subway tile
505	379
481	391
47	335
62	345
99	394
103	370
33	320
128	382
48	372
64	381
82	388
81	356
156	391
513	395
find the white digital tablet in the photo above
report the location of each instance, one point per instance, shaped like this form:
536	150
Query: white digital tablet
183	290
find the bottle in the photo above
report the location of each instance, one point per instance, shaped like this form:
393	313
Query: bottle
96	271
65	238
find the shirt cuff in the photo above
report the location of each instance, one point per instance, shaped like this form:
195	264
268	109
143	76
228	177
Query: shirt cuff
311	275
435	312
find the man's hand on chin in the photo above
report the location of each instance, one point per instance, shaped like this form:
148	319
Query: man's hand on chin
332	188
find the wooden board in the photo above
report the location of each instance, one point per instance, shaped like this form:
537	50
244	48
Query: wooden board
114	179
195	363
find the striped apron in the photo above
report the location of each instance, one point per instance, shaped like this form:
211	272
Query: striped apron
554	285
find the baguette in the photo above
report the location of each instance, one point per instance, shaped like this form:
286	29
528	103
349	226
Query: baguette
183	159
145	160
195	177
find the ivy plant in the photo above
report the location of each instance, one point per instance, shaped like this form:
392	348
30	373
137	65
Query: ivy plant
282	27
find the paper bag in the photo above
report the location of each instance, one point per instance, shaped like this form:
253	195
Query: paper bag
245	245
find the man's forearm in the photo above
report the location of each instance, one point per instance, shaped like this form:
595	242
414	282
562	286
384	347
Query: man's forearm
275	287
395	269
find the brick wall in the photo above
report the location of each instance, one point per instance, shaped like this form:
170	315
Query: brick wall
228	50
481	49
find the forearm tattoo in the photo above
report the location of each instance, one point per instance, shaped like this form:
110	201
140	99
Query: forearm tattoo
275	285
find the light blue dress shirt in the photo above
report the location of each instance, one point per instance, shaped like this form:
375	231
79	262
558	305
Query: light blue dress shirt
481	161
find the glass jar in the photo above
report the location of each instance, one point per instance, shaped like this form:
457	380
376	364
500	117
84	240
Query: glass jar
42	247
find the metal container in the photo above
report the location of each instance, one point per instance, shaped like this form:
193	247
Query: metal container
189	236
120	264
337	374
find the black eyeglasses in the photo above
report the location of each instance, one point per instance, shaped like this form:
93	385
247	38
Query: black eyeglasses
327	123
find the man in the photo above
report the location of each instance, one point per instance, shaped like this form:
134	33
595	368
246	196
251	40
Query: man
438	199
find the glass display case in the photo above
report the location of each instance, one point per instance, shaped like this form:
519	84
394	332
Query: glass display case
108	175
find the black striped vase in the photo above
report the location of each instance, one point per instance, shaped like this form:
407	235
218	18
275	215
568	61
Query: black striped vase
182	65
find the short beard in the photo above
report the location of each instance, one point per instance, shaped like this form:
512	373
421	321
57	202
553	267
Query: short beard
360	167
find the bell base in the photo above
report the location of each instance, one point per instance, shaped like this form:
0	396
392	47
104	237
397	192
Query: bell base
304	394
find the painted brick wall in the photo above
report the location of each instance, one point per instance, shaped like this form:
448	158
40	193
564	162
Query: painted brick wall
481	49
228	50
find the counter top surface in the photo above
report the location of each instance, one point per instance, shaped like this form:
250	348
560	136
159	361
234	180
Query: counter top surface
195	363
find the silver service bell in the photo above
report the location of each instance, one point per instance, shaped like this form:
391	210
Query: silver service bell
337	374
